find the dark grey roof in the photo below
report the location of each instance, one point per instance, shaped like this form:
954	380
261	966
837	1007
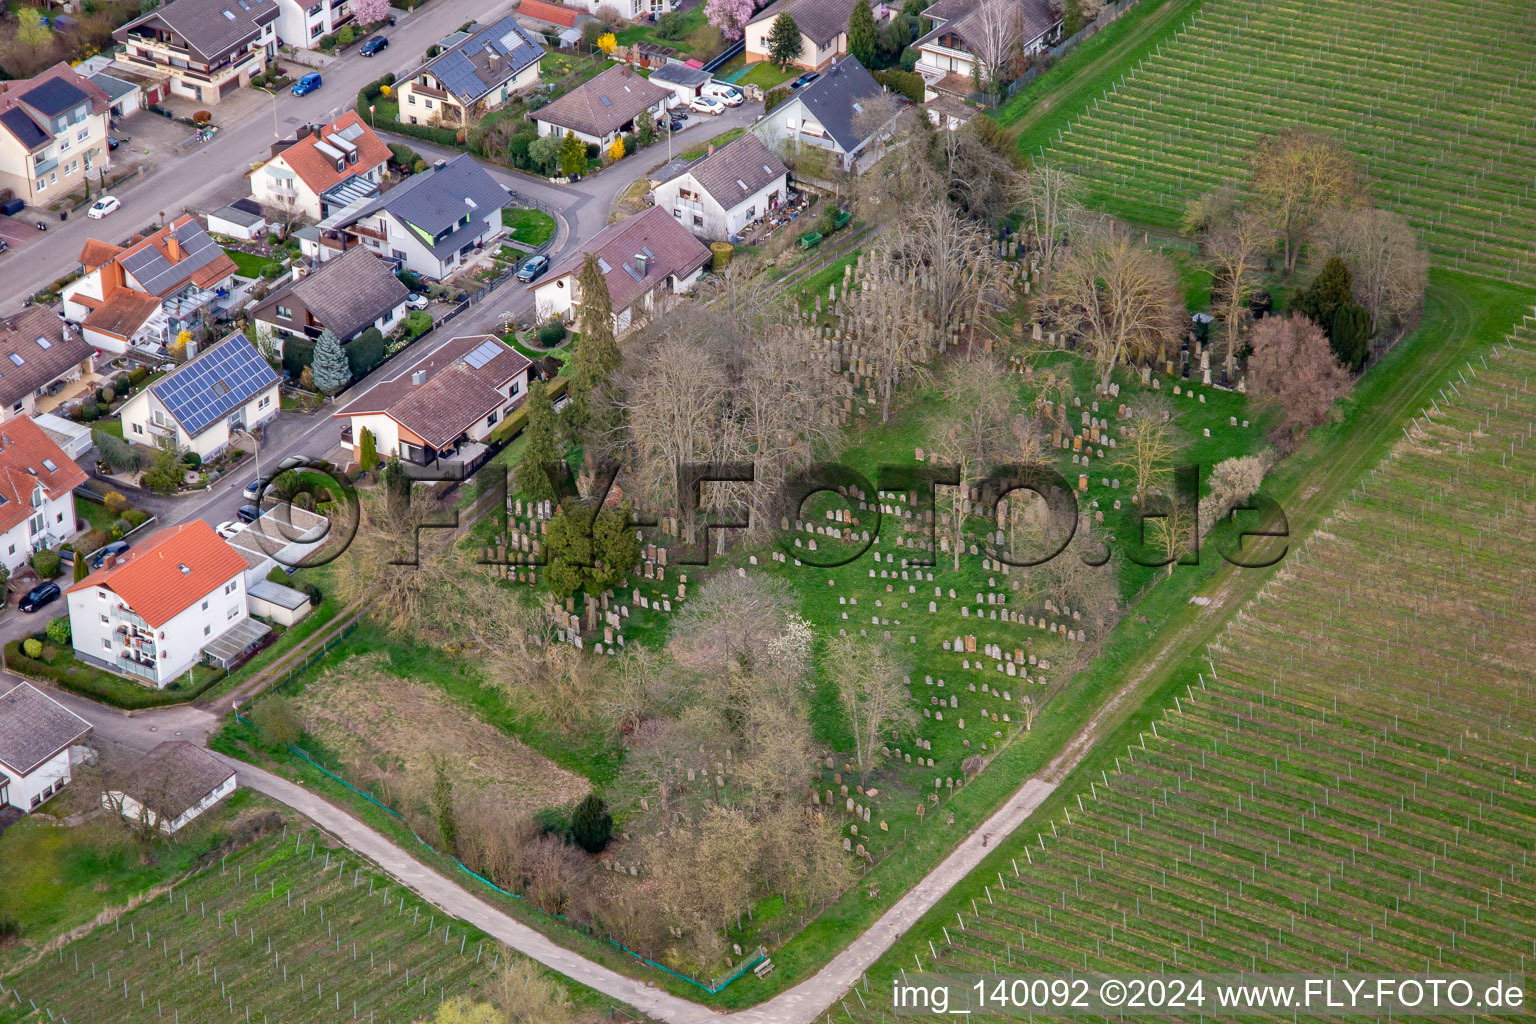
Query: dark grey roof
204	390
115	88
736	171
348	292
818	20
678	73
158	275
20	124
34	727
958	17
436	202
484	60
236	215
834	100
175	776
211	27
55	96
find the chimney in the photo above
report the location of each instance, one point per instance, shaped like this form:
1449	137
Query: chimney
173	250
642	263
626	72
439	165
711	149
418	378
107	562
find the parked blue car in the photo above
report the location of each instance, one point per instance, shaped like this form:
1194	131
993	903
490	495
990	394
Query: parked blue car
308	84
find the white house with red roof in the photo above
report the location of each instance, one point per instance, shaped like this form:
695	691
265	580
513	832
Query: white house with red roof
37	486
441	411
645	260
153	611
323	170
142	295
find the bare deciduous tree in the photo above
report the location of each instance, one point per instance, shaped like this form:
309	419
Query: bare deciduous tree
1388	265
1053	198
1122	299
1149	447
1298	178
995	32
525	994
1235	240
873	696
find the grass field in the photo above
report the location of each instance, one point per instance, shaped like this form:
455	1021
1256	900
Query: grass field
1434	98
248	264
531	227
287	928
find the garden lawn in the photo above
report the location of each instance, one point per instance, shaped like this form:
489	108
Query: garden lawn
528	226
248	264
767	75
108	687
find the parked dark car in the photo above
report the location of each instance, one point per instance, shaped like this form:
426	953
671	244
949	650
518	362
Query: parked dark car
532	268
805	80
372	45
248	513
113	142
117	547
40	595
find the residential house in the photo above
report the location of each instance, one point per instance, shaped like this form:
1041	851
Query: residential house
285	536
303	23
430	222
685	80
170	786
473	77
53	135
205	49
441	411
36	734
603	108
72	436
947	54
725	190
823	26
632	10
39	354
145	294
153	611
645	260
205	401
37	488
948	112
324	168
346	295
826	113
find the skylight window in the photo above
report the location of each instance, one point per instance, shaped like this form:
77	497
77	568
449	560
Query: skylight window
50	465
17	359
44	343
183	569
229	14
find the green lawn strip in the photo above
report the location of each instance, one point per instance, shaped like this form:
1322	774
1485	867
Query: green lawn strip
1037	111
114	426
240	741
767	75
107	687
529	226
641	32
320	618
729	135
248	264
58	878
1463	316
94	513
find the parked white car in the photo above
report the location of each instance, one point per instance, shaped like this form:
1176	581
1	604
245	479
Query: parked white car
707	105
725	92
417	301
103	206
230	528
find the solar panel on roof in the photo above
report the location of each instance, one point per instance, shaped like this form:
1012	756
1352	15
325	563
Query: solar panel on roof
193	393
484	353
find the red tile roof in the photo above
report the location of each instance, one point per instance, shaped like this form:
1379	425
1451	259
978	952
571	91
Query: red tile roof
168	573
317	170
123	313
96	252
23	448
554	14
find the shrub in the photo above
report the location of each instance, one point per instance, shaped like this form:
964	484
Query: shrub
258	81
773	97
90	411
904	83
593	152
32	647
46	563
193	460
327	42
403	155
270	271
591	824
108	395
552	332
276	720
137	374
49	652
135	517
365	351
312	592
116	503
10	930
347	36
58	629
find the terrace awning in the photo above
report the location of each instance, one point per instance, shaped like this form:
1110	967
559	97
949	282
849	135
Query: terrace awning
227	649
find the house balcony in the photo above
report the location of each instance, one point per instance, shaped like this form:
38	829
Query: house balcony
691	205
131	665
362	232
125	615
44	166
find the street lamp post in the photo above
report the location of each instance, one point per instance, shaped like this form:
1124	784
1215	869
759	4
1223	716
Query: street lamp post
255	447
275	133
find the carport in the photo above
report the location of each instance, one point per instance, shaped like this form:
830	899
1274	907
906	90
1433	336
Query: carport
231	648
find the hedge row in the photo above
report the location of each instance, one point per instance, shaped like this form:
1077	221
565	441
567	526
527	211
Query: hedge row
513	425
99	684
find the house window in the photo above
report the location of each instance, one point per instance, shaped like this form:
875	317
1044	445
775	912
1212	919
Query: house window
284	313
207	630
233	611
517	386
229	588
41	184
107	644
490	420
427	104
63	145
265	401
82	135
411	99
318	30
103	618
138	428
698	221
205	606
